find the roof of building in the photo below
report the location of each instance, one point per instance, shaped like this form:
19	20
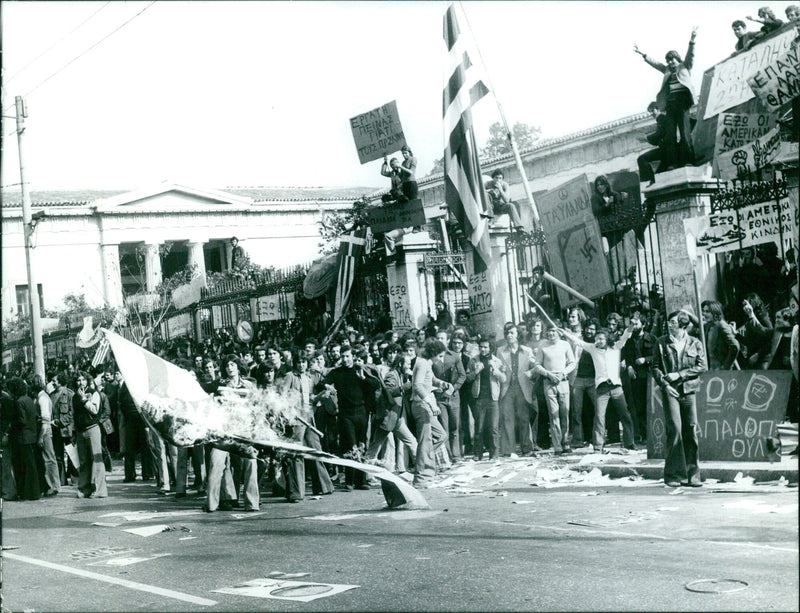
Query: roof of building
70	198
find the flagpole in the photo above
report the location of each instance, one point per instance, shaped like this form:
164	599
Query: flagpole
509	133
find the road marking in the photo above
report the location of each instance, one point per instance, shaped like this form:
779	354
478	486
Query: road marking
116	581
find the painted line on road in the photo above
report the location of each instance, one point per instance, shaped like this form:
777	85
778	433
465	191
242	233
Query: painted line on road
142	587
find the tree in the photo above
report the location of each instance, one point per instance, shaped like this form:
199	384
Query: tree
334	224
438	167
524	135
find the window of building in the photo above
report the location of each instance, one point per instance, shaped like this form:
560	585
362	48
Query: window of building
23	308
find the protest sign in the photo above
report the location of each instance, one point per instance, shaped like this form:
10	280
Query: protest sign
179	325
742	161
377	132
576	248
747	226
729	85
398	215
399	302
737	411
273	307
734	130
779	82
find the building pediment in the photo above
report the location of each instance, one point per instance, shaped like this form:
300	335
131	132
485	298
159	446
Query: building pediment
171	197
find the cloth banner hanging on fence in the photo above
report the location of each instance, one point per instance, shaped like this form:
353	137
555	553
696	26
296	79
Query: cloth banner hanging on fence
748	226
574	243
273	307
321	277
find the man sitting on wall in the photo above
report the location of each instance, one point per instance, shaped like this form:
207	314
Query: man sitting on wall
500	199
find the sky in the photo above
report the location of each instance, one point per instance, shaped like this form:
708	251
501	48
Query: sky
227	94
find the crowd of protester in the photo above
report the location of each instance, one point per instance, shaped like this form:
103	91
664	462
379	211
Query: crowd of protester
413	401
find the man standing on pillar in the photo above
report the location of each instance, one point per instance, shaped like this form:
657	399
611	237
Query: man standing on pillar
516	401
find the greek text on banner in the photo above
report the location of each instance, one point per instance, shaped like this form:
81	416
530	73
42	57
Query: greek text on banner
749	158
377	132
778	83
729	86
735	130
576	248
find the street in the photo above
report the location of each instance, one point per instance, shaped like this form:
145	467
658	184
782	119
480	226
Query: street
558	544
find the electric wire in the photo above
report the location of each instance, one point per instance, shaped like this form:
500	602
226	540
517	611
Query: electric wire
55	44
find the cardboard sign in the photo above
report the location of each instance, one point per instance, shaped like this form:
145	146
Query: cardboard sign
729	85
740	162
399	215
399	301
273	307
574	242
179	325
737	410
377	132
734	130
745	227
779	82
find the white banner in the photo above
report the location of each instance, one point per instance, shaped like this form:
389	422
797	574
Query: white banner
273	307
744	160
180	325
746	227
778	83
729	86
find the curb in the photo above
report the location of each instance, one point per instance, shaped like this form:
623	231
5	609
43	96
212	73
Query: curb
721	471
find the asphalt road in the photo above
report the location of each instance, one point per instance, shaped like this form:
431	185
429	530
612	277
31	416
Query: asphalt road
509	547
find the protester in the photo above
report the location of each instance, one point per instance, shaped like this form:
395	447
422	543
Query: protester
721	343
517	407
500	199
583	384
638	354
678	360
656	139
86	405
744	39
676	97
49	479
769	22
555	362
451	370
408	171
22	436
486	376
62	425
755	334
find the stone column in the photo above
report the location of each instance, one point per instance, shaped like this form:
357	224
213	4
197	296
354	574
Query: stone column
411	293
489	295
197	256
678	195
152	266
228	254
112	279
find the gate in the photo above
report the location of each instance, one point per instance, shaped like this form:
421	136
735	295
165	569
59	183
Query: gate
446	281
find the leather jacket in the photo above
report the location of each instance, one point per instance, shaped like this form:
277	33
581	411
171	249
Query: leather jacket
688	366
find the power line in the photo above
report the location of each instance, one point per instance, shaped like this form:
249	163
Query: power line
57	42
80	55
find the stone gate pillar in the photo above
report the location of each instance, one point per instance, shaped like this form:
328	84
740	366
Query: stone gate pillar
678	195
489	295
112	279
411	291
152	266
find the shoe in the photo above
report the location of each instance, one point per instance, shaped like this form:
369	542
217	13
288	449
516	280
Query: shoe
225	505
50	493
207	510
180	495
672	483
292	500
530	454
79	494
348	488
257	510
566	450
363	486
694	483
129	480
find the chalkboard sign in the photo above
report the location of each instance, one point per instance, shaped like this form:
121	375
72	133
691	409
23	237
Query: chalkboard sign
737	410
393	216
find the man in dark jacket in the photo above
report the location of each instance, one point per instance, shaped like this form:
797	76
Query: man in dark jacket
23	436
62	424
638	354
656	139
450	369
678	360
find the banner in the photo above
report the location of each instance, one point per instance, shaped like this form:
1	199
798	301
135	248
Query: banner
779	82
180	325
742	161
729	85
393	216
377	132
745	227
574	243
273	307
738	412
734	130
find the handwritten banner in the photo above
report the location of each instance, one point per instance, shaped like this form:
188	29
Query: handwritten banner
779	82
576	254
377	132
179	325
400	215
742	161
735	130
745	227
480	293
737	411
400	305
729	85
273	307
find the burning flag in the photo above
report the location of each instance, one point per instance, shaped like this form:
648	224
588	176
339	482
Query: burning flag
172	402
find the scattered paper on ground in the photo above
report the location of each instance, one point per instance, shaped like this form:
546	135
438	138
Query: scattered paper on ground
148	515
127	561
282	589
147	530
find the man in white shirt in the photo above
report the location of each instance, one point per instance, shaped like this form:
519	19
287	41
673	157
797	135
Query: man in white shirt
554	362
609	385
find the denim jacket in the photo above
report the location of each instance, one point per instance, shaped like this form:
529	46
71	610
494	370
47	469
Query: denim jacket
688	366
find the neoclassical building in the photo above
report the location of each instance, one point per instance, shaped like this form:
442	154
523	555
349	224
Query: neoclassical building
91	242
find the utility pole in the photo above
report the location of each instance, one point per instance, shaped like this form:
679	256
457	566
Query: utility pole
28	227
